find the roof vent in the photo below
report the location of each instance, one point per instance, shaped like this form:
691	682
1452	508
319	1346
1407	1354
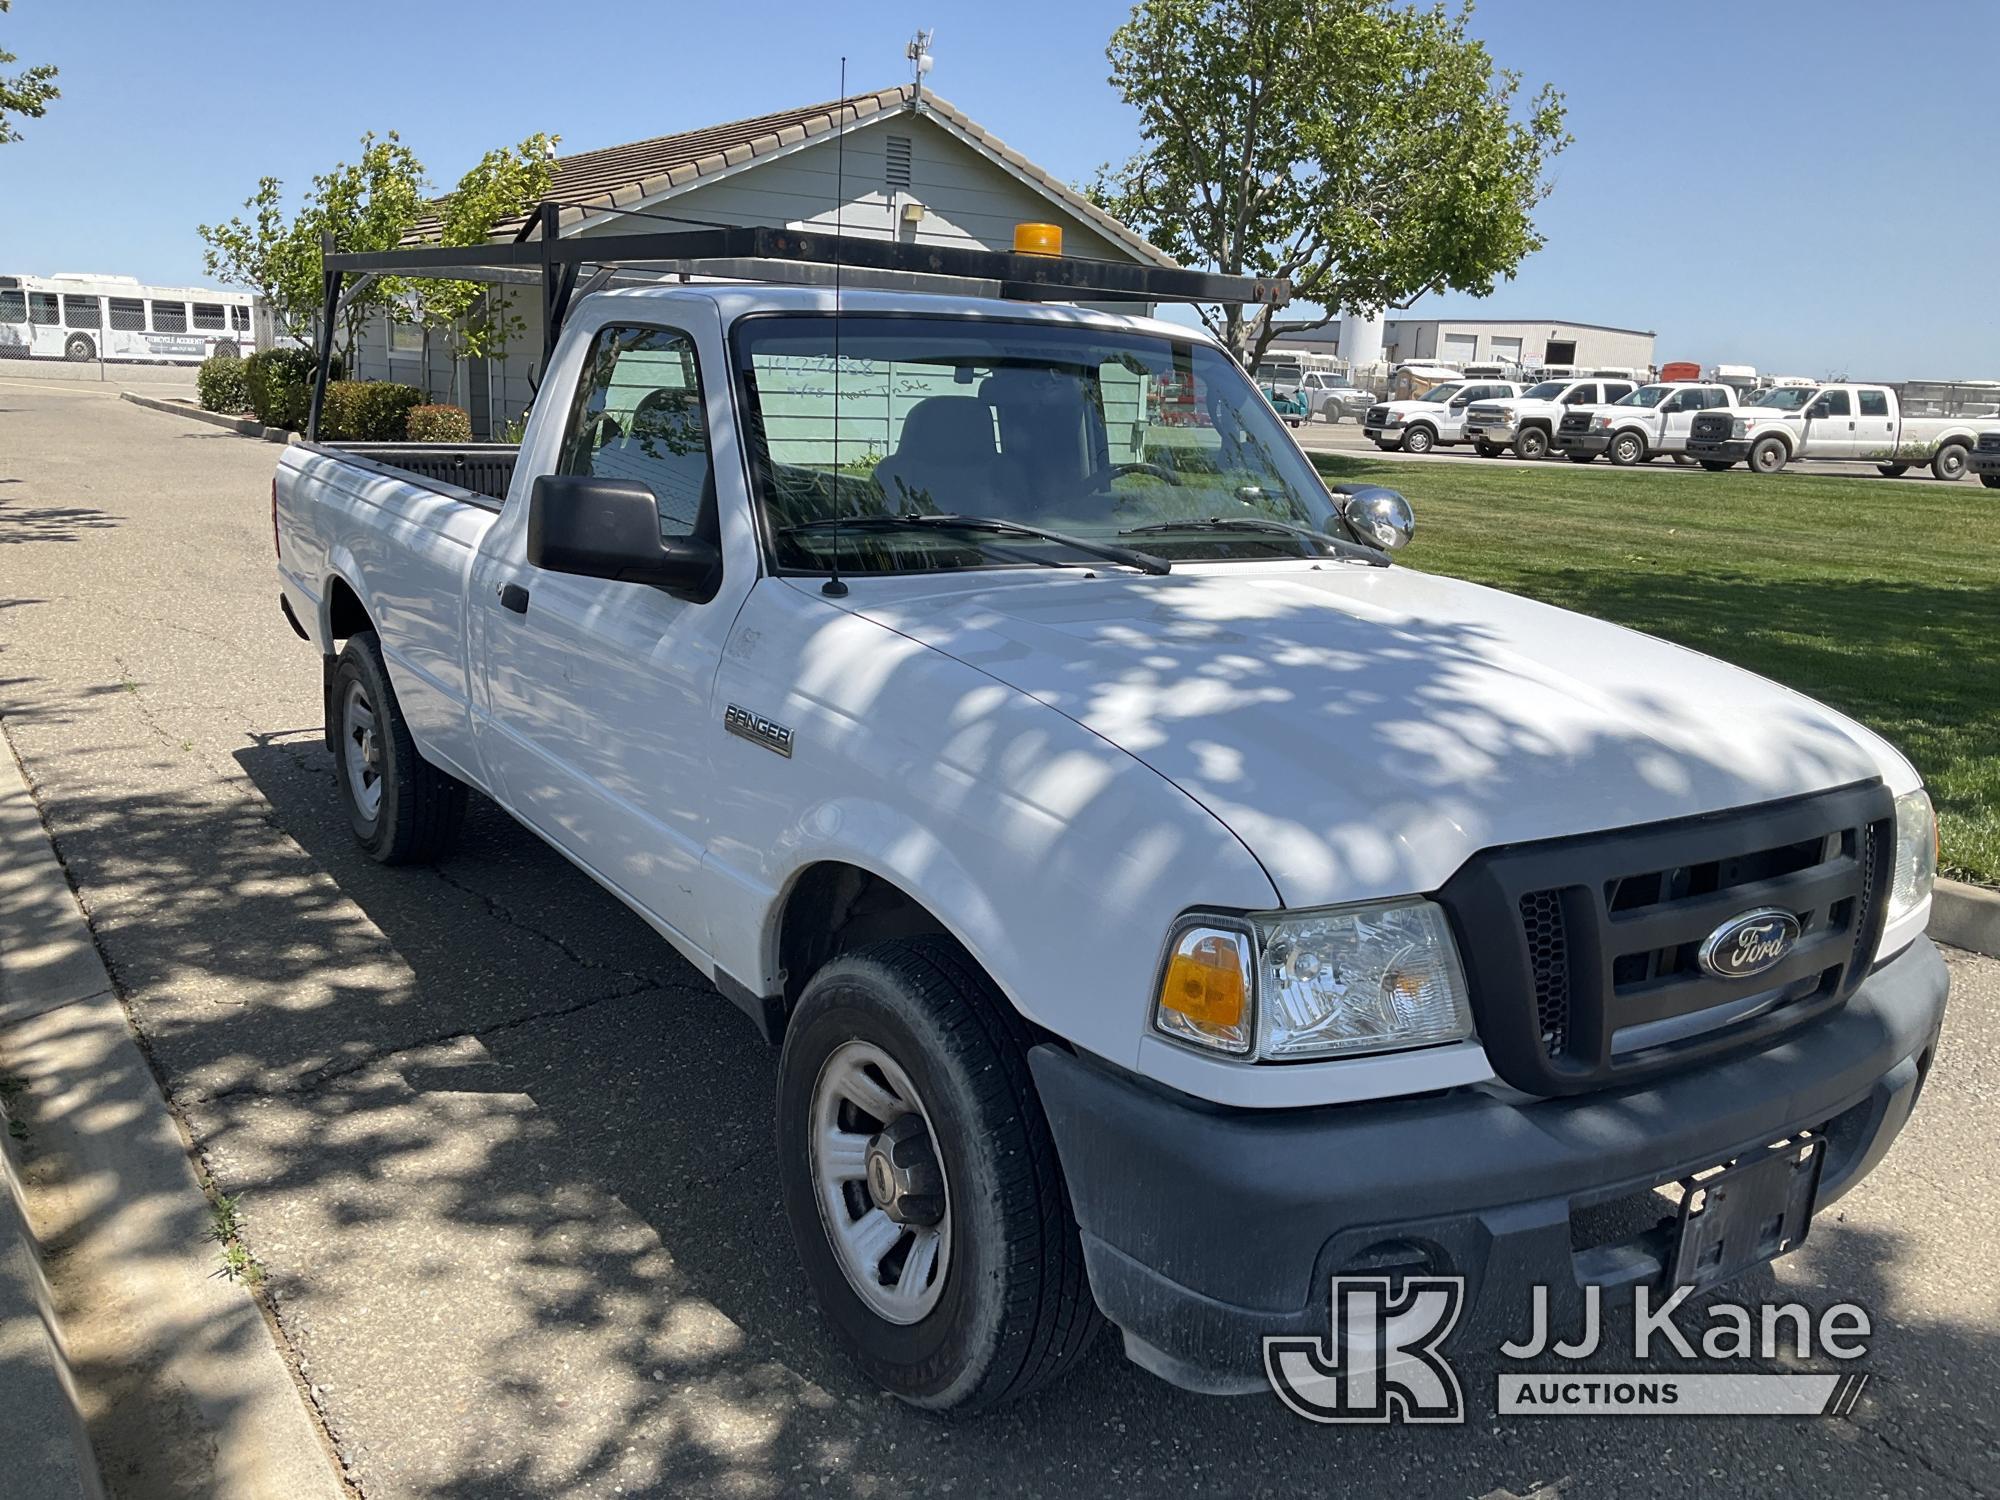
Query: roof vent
897	172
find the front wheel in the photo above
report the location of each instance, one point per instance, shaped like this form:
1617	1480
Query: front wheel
1627	449
1531	442
1950	462
1580	458
1769	456
922	1183
1892	471
1991	481
1419	440
1488	450
79	348
1718	465
403	809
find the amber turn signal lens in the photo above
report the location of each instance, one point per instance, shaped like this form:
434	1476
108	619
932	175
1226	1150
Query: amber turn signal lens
1205	992
1038	239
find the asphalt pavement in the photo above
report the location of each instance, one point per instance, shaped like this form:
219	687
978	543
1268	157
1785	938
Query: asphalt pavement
508	1161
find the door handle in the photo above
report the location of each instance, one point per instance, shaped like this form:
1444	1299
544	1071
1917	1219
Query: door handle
514	597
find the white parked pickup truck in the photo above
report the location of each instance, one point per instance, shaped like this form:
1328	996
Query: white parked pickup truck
1649	422
1434	419
1164	902
1849	423
1527	424
1986	458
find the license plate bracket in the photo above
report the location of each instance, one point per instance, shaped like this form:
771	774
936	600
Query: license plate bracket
1747	1214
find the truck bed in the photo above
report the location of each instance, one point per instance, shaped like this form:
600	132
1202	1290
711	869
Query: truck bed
476	468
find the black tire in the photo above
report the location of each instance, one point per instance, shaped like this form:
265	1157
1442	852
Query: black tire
1991	481
226	350
1627	449
1387	447
418	809
1581	458
79	347
1718	465
1769	455
1419	439
1488	450
1892	471
1013	1310
1949	462
1531	442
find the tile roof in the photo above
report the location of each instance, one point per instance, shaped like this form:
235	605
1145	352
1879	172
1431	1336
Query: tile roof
624	176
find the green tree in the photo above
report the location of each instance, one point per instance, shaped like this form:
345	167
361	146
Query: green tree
473	319
369	204
25	94
1369	151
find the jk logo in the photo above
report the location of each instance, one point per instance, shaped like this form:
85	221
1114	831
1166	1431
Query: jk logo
1382	1363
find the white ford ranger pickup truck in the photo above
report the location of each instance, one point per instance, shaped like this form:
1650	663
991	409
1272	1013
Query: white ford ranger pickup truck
1164	901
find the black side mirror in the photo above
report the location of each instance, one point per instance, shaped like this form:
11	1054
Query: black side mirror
610	528
1819	410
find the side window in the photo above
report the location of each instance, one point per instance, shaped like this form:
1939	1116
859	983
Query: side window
128	315
1715	400
42	309
83	312
239	318
1833	404
13	306
1874	403
1583	395
208	315
170	317
1617	391
638	415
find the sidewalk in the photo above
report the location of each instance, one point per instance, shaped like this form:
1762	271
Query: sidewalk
135	1357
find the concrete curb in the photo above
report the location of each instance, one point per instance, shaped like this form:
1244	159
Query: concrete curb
247	426
187	1391
1966	916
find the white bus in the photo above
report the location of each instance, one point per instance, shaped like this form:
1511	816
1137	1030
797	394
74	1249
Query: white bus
80	317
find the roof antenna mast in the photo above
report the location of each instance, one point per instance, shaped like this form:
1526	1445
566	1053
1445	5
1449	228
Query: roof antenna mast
833	588
919	54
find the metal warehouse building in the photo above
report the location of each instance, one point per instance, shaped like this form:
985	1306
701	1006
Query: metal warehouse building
1460	341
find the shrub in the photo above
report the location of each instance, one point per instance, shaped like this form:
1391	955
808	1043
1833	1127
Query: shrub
439	424
222	384
367	411
280	382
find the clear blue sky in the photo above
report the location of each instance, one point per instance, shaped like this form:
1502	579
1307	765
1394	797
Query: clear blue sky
1807	188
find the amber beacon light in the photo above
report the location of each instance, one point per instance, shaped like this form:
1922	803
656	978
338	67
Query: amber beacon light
1038	239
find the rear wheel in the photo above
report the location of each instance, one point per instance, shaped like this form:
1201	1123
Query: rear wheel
403	809
1892	471
922	1183
79	347
1627	449
1419	440
1991	481
1488	450
1580	458
1769	456
1531	442
1950	462
1717	465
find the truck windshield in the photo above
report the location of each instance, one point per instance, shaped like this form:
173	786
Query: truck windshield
1784	397
1548	390
1105	437
1646	395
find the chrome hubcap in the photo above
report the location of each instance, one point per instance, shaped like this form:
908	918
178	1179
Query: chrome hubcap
361	754
881	1186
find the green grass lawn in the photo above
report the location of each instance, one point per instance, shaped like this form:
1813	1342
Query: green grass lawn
1880	599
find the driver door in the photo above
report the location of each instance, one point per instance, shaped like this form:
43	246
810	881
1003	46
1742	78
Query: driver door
1830	429
599	712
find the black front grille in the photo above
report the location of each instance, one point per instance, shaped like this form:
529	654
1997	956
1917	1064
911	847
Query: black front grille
1584	953
1575	421
1378	416
1989	442
1710	428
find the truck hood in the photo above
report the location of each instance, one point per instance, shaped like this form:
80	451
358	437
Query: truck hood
1410	407
1755	413
1364	730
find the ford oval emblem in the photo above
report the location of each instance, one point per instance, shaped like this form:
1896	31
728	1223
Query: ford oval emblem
1750	944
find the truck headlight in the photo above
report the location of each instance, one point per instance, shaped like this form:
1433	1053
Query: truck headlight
1915	870
1738	427
1506	414
1375	977
1394	419
1602	424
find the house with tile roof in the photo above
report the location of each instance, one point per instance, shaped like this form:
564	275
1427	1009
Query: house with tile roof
899	163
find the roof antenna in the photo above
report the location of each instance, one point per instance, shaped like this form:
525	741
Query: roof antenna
919	54
833	588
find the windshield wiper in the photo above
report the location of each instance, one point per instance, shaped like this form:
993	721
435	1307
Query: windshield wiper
1352	551
1130	557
